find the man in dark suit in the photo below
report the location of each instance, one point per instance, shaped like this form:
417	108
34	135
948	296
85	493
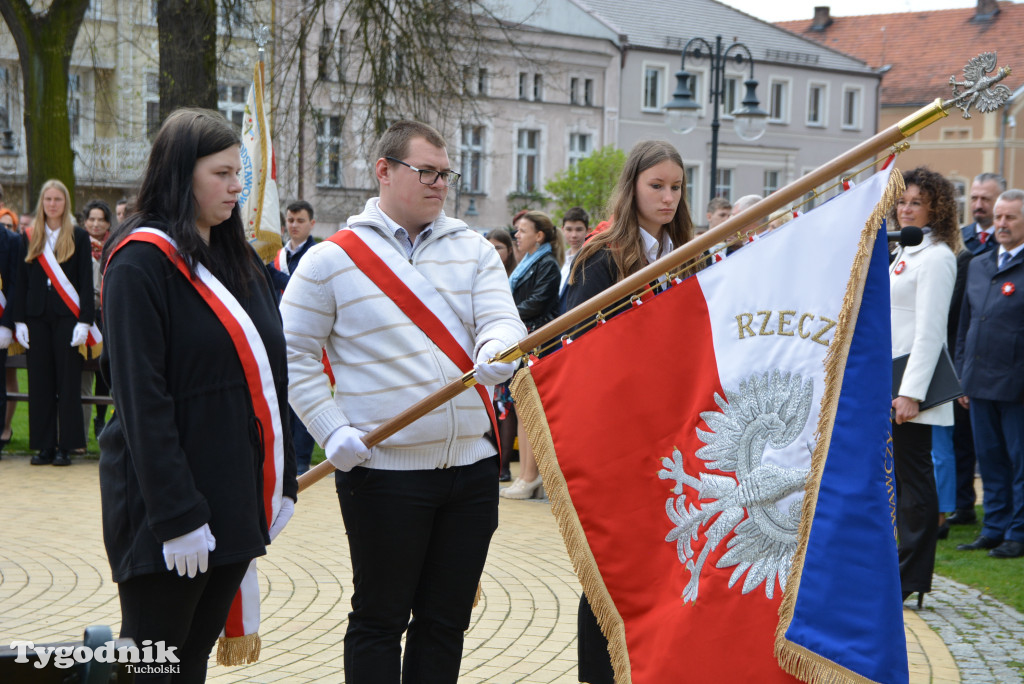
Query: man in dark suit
977	240
990	346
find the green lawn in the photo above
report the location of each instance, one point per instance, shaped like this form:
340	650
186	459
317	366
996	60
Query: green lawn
1000	578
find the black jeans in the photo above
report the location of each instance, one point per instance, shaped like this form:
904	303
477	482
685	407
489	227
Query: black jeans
917	515
187	613
418	541
54	380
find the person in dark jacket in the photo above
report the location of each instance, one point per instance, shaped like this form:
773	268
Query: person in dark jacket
651	219
44	317
184	460
9	251
534	284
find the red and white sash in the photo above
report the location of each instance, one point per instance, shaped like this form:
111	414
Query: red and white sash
281	261
415	296
68	293
240	641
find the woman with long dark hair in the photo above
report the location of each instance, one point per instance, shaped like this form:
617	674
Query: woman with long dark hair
55	277
921	280
195	356
98	221
650	220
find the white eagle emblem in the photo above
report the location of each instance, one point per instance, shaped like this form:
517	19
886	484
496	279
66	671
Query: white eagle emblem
768	409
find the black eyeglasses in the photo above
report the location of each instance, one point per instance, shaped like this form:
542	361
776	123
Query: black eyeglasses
429	176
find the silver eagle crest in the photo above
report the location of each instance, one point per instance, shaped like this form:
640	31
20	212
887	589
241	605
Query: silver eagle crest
769	409
978	88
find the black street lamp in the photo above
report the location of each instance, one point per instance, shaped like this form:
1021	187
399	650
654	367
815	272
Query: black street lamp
748	119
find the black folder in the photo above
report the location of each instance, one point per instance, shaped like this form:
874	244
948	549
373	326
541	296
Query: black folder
945	385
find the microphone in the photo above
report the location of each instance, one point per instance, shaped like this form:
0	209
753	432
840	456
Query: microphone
909	236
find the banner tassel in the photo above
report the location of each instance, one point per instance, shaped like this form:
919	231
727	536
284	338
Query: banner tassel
241	650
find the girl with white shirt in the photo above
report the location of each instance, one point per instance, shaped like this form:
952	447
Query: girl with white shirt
921	282
650	220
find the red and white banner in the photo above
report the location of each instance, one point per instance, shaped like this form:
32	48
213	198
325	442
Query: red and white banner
68	293
687	508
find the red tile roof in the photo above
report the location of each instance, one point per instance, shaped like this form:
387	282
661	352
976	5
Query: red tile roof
924	48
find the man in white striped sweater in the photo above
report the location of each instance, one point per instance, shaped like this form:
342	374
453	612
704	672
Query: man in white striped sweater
421	506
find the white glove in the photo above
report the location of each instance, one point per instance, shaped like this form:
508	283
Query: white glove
283	516
80	334
345	449
5	337
492	373
190	551
21	334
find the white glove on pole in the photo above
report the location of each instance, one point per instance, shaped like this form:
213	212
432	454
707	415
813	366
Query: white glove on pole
21	334
345	449
283	516
492	373
5	337
80	334
190	552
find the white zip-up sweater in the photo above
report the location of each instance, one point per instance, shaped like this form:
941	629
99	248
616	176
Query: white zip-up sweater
382	362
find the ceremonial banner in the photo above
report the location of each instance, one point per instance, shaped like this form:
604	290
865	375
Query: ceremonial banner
731	512
258	201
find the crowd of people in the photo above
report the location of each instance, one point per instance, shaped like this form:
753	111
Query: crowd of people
225	372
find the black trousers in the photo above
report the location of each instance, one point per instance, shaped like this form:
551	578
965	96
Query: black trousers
963	449
418	541
917	501
595	663
54	379
183	612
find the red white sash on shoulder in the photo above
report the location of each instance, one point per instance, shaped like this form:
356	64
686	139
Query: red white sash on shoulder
415	296
240	642
3	303
281	261
68	293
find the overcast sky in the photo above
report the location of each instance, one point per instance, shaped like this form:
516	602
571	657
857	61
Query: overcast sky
784	10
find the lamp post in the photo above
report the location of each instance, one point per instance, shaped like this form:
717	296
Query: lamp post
748	119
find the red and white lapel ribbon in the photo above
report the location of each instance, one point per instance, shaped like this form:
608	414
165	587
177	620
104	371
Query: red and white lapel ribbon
67	291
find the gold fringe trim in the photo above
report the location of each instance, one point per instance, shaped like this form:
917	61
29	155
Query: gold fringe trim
793	658
530	410
241	650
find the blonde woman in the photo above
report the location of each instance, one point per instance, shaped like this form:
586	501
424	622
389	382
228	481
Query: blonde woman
48	328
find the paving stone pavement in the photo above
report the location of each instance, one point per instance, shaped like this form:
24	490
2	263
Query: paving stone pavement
55	581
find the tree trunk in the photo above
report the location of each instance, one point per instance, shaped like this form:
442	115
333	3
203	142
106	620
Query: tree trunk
45	42
188	54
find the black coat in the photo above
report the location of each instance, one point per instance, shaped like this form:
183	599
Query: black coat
10	255
990	341
183	448
536	293
30	295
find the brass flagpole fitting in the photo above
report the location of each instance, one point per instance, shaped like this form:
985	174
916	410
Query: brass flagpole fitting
468	378
510	354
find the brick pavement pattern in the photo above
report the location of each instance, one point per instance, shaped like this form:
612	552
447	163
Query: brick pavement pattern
55	581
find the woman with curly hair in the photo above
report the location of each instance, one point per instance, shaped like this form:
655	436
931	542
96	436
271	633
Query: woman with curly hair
921	282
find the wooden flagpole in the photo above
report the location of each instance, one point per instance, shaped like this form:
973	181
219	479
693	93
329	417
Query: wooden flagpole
675	259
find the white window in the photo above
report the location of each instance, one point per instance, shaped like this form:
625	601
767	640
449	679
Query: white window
94	10
472	158
691	188
5	99
724	184
328	151
778	106
574	90
580	145
331	55
152	105
538	88
524	85
960	197
588	92
817	100
731	99
231	103
75	104
528	160
852	106
771	181
654	88
481	81
237	13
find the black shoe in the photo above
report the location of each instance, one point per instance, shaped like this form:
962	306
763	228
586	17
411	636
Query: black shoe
944	530
982	542
920	598
44	457
962	516
1008	549
505	476
61	459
